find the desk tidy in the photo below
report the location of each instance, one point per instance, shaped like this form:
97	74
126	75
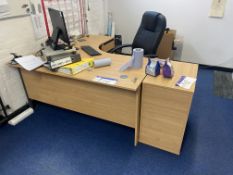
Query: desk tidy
157	66
153	67
168	71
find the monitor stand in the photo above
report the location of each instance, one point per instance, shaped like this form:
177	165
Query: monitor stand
53	41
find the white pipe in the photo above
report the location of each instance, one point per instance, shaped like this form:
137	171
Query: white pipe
21	117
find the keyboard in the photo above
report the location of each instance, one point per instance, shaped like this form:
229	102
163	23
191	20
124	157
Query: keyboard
90	51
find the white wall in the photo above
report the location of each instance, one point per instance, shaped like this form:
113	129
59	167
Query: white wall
16	35
206	40
96	16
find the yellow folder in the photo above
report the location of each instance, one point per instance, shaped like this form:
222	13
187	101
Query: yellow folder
75	68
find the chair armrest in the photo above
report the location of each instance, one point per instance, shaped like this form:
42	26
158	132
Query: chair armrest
119	47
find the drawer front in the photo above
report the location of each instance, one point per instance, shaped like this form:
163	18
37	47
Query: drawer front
164	114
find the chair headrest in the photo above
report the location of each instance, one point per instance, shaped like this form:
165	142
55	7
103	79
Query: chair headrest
149	20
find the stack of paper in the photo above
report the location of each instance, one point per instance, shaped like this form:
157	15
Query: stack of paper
30	62
185	82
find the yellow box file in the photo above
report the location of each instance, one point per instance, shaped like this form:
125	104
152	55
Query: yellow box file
77	67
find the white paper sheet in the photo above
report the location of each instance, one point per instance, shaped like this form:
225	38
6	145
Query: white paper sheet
30	62
186	82
217	8
38	26
105	80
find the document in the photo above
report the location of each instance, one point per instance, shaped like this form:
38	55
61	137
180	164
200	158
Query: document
185	82
37	20
30	62
217	8
105	80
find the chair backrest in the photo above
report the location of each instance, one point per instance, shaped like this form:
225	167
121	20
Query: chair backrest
150	32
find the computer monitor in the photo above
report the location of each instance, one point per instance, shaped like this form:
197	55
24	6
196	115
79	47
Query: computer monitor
59	30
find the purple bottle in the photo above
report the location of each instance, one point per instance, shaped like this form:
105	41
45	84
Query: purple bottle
168	71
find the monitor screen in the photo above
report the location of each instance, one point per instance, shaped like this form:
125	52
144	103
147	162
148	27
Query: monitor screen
59	29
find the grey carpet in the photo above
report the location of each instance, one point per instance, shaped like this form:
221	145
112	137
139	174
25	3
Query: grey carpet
223	84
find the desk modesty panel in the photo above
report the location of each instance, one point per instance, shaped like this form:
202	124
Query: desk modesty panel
105	102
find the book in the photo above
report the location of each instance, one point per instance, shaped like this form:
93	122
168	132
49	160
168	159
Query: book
77	67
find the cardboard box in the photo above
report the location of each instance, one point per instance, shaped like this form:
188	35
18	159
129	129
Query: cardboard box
165	47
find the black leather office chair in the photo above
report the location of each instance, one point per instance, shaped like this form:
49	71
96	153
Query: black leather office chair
148	36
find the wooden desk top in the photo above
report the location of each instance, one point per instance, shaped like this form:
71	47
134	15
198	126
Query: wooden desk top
108	71
180	68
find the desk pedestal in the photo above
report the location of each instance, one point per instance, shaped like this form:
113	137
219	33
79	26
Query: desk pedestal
164	117
165	109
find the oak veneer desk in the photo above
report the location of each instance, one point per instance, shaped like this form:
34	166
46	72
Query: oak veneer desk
120	103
